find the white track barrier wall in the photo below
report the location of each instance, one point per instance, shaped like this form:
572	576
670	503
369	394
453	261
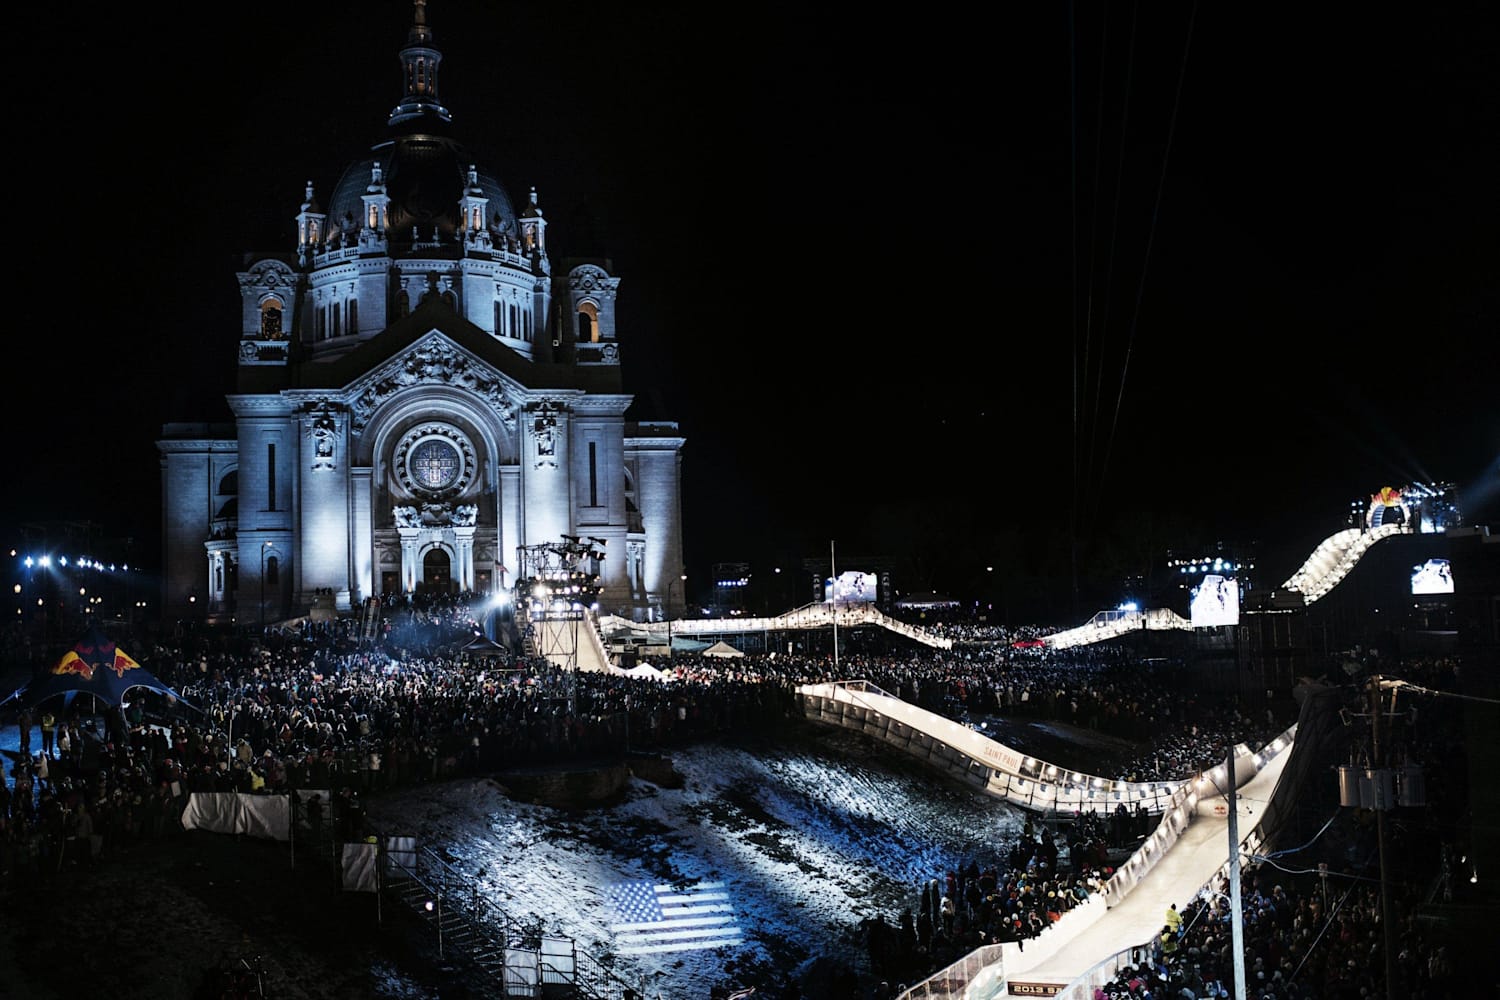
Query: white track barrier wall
812	616
1334	557
974	758
1208	803
1329	563
1114	624
963	753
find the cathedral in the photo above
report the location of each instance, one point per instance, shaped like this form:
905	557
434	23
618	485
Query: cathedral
421	403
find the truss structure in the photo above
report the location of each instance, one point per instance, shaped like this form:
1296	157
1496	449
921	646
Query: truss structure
556	589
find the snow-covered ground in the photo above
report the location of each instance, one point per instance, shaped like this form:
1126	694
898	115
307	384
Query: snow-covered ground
803	837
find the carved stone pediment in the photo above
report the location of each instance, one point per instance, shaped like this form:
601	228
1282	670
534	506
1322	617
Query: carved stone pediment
434	360
592	278
268	275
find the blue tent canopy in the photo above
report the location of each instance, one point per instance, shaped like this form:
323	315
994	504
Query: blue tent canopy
97	666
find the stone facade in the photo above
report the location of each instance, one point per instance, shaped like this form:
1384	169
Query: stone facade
419	400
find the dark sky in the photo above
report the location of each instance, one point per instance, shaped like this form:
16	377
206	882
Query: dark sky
939	290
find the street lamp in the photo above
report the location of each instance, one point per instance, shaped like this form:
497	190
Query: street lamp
671	652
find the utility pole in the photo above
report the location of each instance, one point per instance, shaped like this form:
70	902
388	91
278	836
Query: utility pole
1378	763
1236	919
834	604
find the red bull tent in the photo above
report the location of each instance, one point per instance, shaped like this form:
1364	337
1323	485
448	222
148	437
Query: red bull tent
96	666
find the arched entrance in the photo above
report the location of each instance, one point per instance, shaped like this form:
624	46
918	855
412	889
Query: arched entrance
437	572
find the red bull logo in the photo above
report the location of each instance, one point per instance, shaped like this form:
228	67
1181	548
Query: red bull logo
123	663
1387	496
72	663
88	658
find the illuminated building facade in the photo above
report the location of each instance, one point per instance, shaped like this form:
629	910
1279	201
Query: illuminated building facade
420	397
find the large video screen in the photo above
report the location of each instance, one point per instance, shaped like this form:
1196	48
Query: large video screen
1216	601
1434	576
850	587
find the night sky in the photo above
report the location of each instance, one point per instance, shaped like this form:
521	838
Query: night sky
941	291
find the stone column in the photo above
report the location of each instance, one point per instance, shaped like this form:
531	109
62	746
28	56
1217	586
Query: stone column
463	568
548	510
361	535
411	566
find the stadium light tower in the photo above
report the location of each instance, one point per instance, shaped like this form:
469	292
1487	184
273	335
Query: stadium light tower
557	588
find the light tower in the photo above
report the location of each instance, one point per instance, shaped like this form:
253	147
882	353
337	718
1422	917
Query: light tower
558	586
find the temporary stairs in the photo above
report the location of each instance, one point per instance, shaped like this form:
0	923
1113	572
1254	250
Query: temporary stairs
516	959
369	625
571	643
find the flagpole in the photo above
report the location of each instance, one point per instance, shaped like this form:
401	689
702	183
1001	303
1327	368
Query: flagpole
833	597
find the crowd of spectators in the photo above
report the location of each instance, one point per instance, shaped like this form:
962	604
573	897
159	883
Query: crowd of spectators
1301	943
1308	935
313	706
318	706
1047	871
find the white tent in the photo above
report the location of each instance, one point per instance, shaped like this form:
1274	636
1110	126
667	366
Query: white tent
722	648
643	670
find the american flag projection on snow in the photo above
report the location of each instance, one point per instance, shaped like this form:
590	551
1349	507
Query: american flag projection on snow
663	918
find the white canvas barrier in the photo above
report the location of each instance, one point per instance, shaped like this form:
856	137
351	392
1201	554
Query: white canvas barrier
523	972
559	961
267	816
401	854
358	867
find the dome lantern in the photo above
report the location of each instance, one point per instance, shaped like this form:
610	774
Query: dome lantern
420	108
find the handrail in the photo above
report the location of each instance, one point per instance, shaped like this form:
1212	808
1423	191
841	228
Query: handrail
984	964
459	896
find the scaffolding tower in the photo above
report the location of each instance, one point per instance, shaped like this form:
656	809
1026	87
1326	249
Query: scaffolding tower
557	587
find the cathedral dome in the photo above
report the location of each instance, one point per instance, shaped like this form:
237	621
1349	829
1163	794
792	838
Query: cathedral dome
423	171
424	177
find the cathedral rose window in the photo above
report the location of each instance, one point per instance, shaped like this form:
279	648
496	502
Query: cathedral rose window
434	464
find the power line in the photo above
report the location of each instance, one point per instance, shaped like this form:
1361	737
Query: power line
1441	694
1151	235
1073	132
1088	322
1114	231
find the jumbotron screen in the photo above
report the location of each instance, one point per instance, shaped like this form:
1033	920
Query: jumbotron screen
1216	601
1435	576
850	587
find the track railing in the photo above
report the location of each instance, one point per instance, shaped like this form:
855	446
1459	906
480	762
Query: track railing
974	758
